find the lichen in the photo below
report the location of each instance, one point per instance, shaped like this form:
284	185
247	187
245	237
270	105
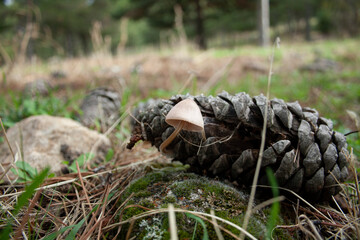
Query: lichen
191	192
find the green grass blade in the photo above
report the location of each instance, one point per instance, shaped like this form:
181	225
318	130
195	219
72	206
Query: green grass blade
72	234
76	228
57	233
30	189
275	207
5	233
199	220
23	200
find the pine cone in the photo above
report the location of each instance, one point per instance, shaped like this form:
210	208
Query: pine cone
100	104
301	148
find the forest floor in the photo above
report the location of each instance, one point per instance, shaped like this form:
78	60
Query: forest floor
324	75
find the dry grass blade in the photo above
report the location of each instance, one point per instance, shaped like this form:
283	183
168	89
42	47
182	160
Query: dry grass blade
262	144
302	199
314	232
268	202
130	165
83	185
172	223
218	75
216	226
164	210
25	218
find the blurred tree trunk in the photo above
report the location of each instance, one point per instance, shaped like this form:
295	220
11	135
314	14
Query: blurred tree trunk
353	28
201	41
264	22
308	12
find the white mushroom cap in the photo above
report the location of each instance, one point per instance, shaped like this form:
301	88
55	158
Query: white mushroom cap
189	112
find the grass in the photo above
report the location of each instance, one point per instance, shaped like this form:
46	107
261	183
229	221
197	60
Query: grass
81	204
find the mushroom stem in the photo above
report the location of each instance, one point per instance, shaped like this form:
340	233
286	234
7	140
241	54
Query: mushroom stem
171	137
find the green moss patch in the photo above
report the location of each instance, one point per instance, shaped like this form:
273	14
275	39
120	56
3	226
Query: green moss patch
192	192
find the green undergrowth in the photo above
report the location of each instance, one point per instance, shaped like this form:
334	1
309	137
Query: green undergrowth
16	106
189	191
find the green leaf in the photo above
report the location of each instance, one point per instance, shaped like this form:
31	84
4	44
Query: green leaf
5	232
26	167
81	160
109	155
23	176
199	220
30	189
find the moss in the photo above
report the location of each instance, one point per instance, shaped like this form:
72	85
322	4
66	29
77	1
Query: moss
170	199
192	192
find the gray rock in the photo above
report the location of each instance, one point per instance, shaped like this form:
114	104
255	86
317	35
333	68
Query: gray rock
44	139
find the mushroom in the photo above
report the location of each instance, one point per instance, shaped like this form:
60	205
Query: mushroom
184	115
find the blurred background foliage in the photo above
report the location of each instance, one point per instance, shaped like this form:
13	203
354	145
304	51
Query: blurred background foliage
66	28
